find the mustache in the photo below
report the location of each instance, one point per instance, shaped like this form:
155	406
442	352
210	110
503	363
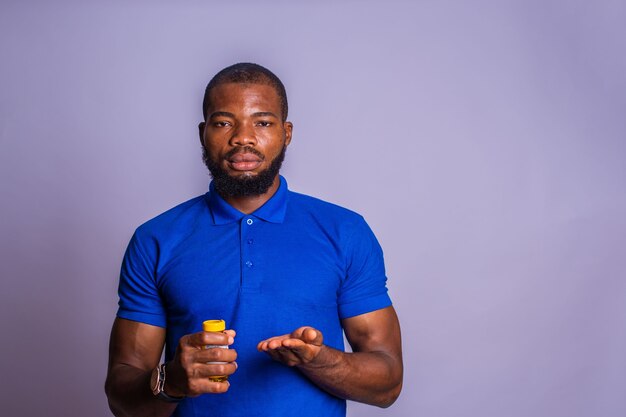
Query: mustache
244	149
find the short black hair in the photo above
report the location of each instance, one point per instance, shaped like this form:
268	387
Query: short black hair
247	73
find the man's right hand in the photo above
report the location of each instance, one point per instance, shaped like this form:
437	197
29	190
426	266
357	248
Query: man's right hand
136	350
187	374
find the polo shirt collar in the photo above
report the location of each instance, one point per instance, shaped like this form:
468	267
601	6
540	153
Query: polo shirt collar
272	211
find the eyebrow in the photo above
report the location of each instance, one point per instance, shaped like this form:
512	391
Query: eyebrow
221	114
264	114
228	114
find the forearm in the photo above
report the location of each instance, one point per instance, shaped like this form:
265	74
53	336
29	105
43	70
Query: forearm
129	394
369	377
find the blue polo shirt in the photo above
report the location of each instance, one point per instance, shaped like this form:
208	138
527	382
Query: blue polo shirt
296	261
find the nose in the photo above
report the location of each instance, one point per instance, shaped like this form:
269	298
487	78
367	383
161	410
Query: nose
243	135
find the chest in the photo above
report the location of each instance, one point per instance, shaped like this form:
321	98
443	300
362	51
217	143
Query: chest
211	272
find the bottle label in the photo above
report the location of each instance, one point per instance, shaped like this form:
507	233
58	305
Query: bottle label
215	347
217	378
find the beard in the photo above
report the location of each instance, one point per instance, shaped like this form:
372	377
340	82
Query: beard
245	185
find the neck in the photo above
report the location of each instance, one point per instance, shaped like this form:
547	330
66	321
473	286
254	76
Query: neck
249	204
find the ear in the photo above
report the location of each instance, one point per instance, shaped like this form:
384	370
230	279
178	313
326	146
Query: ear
288	126
201	132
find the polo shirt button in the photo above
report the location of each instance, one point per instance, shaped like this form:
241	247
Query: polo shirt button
249	264
250	241
249	221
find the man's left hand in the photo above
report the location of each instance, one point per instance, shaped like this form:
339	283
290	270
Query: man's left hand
300	347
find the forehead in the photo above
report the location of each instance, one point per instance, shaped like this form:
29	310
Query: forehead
236	96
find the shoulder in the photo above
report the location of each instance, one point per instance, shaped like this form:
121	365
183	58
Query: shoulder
323	209
174	220
332	220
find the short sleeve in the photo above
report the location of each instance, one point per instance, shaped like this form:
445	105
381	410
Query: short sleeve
364	288
139	298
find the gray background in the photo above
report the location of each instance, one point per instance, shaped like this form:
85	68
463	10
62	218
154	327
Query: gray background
484	142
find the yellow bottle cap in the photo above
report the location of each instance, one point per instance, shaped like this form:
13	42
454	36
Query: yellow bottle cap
214	325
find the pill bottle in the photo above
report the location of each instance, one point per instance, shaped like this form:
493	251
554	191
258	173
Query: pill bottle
215	326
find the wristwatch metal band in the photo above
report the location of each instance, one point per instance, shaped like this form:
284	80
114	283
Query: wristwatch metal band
160	385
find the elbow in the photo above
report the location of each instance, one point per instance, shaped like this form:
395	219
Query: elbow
394	387
109	390
107	387
389	397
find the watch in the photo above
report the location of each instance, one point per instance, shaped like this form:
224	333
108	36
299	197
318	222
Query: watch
157	383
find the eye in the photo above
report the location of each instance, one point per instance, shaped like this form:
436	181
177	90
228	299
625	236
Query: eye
264	123
221	123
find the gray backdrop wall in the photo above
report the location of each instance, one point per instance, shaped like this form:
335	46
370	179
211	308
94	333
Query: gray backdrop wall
484	142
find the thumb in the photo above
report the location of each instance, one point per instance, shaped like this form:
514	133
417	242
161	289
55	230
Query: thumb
313	336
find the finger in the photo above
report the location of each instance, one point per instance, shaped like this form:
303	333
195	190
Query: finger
263	345
275	343
231	333
201	339
203	371
301	351
309	335
293	344
297	334
201	386
313	336
214	355
304	352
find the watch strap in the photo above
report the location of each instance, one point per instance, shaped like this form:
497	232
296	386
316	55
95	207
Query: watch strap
159	387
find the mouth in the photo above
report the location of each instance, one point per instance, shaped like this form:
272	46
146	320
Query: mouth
244	161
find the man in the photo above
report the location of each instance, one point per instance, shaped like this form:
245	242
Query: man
289	272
